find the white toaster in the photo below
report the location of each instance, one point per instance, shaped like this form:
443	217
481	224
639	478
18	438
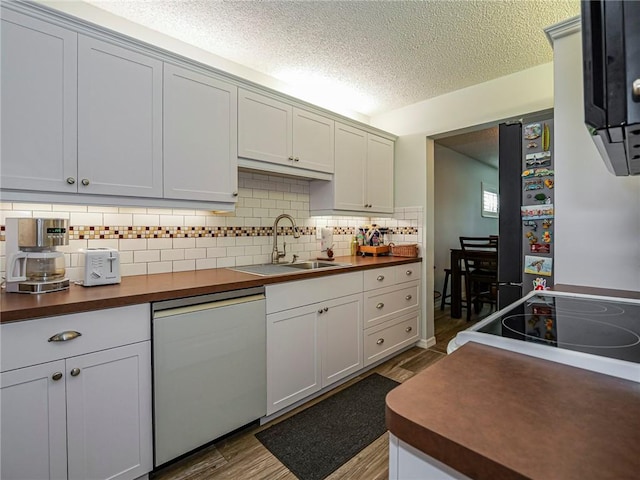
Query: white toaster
101	266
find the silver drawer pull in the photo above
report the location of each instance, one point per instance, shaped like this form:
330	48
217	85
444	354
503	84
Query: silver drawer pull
408	297
65	336
325	309
320	311
408	329
56	376
75	372
409	272
380	305
380	278
380	341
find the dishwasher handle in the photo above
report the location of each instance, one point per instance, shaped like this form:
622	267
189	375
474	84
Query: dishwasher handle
206	306
205	299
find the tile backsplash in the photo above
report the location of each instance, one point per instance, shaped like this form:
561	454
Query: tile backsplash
152	240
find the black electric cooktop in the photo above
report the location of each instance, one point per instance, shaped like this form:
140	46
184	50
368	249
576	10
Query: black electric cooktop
591	325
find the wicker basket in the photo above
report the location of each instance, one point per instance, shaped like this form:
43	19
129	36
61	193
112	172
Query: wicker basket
410	250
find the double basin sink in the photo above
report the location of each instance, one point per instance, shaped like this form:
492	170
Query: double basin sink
288	268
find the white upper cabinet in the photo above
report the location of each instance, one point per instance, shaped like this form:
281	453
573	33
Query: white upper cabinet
39	119
200	136
275	132
363	179
119	120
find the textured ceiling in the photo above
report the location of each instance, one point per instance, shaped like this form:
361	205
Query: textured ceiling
390	53
481	145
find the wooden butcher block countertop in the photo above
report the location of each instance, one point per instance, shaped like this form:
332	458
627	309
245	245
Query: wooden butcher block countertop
164	286
494	414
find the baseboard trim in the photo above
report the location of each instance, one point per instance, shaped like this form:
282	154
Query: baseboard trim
426	343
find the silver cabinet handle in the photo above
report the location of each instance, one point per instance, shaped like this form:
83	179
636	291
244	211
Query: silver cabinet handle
290	158
56	376
235	194
65	336
409	272
408	297
326	309
71	180
635	89
380	278
296	159
85	181
380	305
408	329
320	311
380	341
75	372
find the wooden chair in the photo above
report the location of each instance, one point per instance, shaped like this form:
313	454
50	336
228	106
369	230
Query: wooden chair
480	257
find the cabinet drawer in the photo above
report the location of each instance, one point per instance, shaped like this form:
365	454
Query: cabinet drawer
379	277
408	272
27	343
383	340
285	296
380	305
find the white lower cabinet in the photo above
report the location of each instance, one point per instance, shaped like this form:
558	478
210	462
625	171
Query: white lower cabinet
314	336
79	415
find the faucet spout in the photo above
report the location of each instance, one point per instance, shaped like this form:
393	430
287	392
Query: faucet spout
276	255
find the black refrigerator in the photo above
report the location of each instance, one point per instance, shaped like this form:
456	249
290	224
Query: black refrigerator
526	187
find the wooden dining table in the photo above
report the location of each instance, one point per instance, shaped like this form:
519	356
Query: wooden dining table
456	275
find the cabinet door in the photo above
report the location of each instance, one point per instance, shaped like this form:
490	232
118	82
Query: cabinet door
340	338
39	105
293	362
380	174
264	128
33	423
313	141
200	136
350	165
109	413
119	120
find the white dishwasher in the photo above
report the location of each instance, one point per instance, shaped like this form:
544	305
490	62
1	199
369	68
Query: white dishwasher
209	368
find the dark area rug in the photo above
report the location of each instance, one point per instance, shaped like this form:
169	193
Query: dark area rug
317	441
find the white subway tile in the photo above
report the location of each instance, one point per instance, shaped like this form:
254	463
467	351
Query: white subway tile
74	246
194	221
235	251
215	221
226	241
226	262
183	212
74	274
189	242
49	214
171	220
6	206
244	241
159	211
103	243
159	243
193	253
258	193
129	269
31	206
252	202
117	219
133	210
146	256
206	242
253	250
275	195
261	259
206	263
68	208
142	220
132	244
101	209
216	252
159	267
126	257
86	219
170	255
244	260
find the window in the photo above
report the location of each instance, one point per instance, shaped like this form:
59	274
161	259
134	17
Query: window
489	200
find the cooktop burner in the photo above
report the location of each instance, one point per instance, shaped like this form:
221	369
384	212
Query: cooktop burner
595	326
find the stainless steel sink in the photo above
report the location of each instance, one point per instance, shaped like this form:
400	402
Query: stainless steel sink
314	265
269	269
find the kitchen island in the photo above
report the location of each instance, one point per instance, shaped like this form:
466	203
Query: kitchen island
487	413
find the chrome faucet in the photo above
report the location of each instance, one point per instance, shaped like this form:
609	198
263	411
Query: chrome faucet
276	255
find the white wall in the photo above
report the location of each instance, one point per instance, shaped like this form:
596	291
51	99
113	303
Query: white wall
505	98
597	224
458	200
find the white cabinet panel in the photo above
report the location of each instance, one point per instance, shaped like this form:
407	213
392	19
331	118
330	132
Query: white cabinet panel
200	136
383	340
119	120
264	128
313	141
39	104
109	405
293	361
340	338
350	174
379	174
33	423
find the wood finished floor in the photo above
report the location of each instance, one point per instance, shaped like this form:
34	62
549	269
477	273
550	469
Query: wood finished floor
243	457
